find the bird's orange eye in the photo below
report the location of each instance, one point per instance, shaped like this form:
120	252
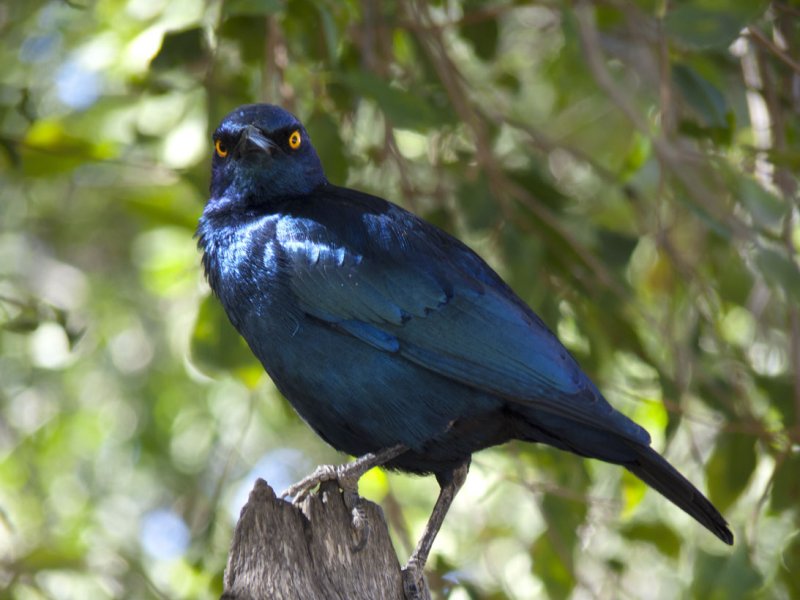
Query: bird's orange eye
294	139
222	149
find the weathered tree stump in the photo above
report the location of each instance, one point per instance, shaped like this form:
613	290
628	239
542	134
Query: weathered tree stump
284	552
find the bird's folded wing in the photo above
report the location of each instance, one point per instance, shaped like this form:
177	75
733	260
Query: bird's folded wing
456	325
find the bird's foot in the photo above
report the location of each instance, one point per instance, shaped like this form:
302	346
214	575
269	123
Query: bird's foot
347	477
414	581
298	491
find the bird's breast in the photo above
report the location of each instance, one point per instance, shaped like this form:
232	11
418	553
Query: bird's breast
242	268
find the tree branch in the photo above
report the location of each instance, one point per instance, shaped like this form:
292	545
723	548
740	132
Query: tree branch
281	551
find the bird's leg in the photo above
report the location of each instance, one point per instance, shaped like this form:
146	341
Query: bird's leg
347	476
413	571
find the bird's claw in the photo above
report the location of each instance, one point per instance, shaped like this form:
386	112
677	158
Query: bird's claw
348	483
347	477
298	491
359	521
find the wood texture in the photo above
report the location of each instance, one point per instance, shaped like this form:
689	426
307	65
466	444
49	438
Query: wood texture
281	551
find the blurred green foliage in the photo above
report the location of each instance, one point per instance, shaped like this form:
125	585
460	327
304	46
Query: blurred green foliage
628	166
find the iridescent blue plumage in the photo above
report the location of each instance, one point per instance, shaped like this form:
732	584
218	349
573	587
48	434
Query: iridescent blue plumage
381	329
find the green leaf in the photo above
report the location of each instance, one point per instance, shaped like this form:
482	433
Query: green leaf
442	217
540	184
786	485
657	534
608	17
246	32
49	149
640	151
734	279
718	393
509	81
312	32
730	468
252	7
163	205
25	322
404	109
64	556
790	564
329	146
713	223
766	208
615	248
216	346
564	516
706	100
780	391
779	270
554	569
523	256
671	391
180	48
482	35
731	577
476	201
784	157
696	27
331	33
552	552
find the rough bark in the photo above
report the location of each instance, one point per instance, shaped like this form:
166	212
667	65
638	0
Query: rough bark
282	551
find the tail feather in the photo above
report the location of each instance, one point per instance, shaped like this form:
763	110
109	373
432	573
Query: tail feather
655	471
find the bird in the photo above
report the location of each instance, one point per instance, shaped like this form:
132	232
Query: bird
394	341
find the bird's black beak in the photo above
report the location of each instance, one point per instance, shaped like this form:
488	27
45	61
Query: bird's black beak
253	141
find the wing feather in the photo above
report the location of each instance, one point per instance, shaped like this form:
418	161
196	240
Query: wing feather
456	318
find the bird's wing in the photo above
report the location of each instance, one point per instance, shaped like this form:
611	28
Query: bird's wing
444	309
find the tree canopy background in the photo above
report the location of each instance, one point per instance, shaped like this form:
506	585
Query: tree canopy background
628	166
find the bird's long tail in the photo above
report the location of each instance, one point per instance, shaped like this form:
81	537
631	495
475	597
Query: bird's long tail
656	472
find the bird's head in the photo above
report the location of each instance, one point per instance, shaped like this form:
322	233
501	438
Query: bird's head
261	153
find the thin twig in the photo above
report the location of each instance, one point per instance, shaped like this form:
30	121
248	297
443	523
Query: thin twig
594	58
672	156
783	181
479	15
786	8
406	186
547	144
755	34
453	82
394	512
